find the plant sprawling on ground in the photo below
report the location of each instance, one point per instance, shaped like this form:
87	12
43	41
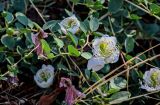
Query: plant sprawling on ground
81	52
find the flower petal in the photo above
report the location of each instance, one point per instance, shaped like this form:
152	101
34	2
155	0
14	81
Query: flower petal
73	27
96	63
151	80
48	72
114	57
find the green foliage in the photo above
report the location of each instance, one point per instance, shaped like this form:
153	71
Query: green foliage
134	23
155	9
20	5
86	55
50	24
94	24
73	51
1	7
129	44
115	5
8	17
47	49
73	38
83	27
8	41
59	42
118	83
22	18
119	97
106	68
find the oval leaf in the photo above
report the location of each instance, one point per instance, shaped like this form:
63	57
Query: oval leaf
73	51
129	44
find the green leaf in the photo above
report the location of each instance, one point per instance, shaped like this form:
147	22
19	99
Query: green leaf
8	17
18	25
94	24
20	5
2	56
73	38
20	51
155	9
151	29
10	60
45	46
3	78
128	57
129	44
22	18
135	17
62	67
50	56
115	5
13	70
118	83
141	58
106	68
95	77
59	42
112	90
101	1
50	24
73	51
30	23
47	49
83	27
135	75
74	1
119	97
68	12
8	41
86	55
87	73
97	5
1	7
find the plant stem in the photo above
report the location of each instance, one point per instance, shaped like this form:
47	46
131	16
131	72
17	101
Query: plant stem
105	81
144	10
113	71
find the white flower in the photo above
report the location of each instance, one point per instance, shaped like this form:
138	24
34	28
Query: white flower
44	77
70	24
96	63
151	80
106	47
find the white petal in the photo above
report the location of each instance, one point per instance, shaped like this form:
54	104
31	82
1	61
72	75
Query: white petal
38	79
72	29
95	42
41	84
114	57
111	40
50	67
44	66
95	64
148	81
147	77
95	46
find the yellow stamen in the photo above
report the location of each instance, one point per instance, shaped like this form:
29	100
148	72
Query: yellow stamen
105	50
154	78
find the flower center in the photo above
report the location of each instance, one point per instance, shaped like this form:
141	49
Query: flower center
105	50
154	79
45	75
71	23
